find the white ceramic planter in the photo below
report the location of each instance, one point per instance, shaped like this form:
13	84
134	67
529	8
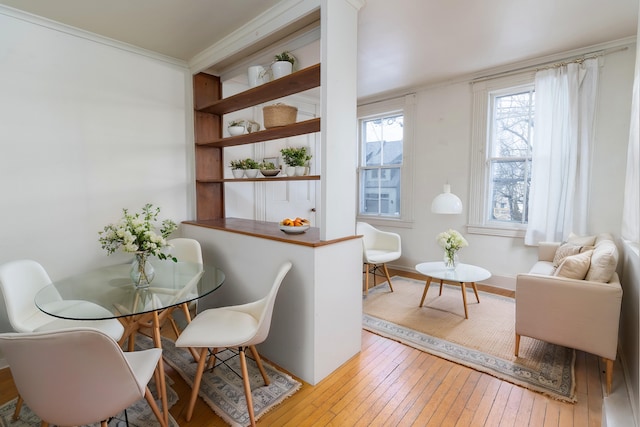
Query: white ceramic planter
236	130
251	173
281	69
300	170
290	170
237	173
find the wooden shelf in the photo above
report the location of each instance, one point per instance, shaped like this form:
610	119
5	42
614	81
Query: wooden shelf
302	80
284	178
299	128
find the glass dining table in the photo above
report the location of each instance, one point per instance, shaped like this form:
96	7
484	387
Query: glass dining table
109	292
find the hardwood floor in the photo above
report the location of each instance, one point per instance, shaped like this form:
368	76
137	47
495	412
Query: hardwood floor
391	384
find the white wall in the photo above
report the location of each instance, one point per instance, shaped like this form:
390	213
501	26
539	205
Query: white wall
87	127
442	153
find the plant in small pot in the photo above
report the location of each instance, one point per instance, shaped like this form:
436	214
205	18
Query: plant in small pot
236	127
268	169
237	168
282	65
251	168
297	158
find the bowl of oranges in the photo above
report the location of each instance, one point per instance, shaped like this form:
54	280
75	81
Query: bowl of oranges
294	226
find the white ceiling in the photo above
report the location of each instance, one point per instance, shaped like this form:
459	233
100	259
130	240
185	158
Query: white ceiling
401	44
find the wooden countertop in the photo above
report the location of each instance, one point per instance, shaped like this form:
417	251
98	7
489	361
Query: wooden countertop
268	230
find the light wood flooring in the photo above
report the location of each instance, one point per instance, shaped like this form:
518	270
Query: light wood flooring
391	384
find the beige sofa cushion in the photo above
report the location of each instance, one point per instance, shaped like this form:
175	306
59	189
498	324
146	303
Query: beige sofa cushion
568	249
575	266
581	240
603	262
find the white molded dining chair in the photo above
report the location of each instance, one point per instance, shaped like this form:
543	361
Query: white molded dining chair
378	248
20	281
101	380
185	250
238	326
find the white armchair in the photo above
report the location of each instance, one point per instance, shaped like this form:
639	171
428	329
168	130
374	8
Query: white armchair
379	248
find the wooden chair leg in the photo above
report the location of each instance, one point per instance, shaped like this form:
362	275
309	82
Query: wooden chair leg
16	413
517	345
609	374
196	383
366	278
386	273
247	386
256	356
154	407
103	423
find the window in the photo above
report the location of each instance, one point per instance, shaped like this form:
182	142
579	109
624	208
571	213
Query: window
383	168
380	165
509	159
503	126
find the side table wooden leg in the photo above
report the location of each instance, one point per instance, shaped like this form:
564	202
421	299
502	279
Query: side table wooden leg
464	299
441	287
475	291
426	288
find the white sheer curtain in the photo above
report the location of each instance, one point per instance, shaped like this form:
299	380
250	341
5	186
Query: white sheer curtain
631	209
565	106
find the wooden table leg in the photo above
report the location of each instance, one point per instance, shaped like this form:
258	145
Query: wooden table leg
162	386
426	288
475	291
441	287
464	299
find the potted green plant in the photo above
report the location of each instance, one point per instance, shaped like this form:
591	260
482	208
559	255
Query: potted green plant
251	168
282	65
237	168
296	157
236	127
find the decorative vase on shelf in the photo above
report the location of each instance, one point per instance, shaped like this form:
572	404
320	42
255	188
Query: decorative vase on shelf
281	69
237	173
450	260
142	272
236	130
300	170
290	171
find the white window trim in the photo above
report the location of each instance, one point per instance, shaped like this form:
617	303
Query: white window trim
407	106
479	184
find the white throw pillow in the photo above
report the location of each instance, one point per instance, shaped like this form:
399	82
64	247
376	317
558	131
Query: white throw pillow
575	266
603	262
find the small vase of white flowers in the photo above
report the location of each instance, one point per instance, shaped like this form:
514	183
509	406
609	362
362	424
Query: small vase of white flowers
451	241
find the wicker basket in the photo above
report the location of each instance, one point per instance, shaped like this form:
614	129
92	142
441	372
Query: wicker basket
279	115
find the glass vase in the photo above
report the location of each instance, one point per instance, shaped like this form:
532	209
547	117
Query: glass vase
450	260
142	272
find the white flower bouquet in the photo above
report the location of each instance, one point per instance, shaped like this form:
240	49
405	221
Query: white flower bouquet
136	233
451	241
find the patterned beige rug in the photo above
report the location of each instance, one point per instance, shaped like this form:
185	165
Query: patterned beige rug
484	342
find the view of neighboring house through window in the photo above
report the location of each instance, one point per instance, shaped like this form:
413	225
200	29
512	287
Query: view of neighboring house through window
381	155
509	154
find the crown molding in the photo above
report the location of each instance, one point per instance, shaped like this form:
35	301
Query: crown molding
86	35
257	34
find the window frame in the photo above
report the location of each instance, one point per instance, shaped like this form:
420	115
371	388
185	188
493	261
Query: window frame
483	91
406	107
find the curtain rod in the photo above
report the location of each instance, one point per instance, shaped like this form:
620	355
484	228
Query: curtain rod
547	65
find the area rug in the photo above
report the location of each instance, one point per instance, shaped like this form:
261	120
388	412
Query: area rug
138	415
222	388
484	342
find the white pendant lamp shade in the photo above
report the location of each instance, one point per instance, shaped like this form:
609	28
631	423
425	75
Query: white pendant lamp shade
447	202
